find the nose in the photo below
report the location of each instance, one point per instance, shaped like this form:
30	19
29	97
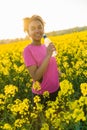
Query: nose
37	30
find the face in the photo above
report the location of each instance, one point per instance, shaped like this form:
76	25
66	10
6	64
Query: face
36	30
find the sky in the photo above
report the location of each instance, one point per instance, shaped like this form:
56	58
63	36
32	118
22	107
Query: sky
57	14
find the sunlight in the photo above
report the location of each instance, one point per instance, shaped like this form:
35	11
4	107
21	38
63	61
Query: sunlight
60	15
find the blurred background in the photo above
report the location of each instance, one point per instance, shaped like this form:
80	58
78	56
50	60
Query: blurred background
58	15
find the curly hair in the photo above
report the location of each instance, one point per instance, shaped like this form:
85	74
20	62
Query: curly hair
28	20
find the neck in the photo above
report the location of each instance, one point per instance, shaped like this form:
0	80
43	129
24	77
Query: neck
36	42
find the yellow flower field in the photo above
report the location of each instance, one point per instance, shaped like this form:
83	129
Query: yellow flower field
68	112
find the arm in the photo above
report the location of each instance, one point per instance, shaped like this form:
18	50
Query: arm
37	72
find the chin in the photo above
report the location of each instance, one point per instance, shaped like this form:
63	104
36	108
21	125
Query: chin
38	39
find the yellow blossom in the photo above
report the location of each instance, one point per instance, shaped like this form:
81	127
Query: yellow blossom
39	107
45	126
2	98
36	86
28	85
49	113
37	99
19	122
46	94
78	115
33	115
10	90
83	87
22	107
7	126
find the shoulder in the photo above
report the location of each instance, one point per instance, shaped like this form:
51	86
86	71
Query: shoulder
27	47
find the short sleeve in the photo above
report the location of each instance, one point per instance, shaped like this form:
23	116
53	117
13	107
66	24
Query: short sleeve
28	58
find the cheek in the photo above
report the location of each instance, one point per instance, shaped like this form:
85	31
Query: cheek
30	33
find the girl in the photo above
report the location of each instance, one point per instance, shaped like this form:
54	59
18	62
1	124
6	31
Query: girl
39	61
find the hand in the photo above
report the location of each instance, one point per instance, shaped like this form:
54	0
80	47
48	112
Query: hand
50	49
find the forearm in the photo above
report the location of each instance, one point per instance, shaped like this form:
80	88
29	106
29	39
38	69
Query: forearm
42	68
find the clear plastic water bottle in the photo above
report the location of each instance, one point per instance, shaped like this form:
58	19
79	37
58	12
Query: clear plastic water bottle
47	41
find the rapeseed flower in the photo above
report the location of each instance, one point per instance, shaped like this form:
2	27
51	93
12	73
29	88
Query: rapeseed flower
71	59
36	86
50	113
7	127
78	115
39	107
45	126
19	122
10	90
2	98
37	99
66	87
33	115
46	94
22	107
83	87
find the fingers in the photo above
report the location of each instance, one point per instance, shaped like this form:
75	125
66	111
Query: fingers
50	49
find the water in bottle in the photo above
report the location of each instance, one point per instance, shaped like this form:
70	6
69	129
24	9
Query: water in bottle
47	41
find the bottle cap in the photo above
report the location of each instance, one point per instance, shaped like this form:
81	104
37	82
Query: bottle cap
44	36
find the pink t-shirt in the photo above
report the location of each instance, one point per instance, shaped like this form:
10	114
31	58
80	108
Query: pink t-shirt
34	55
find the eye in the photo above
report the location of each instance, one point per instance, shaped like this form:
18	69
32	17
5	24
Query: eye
32	28
39	27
